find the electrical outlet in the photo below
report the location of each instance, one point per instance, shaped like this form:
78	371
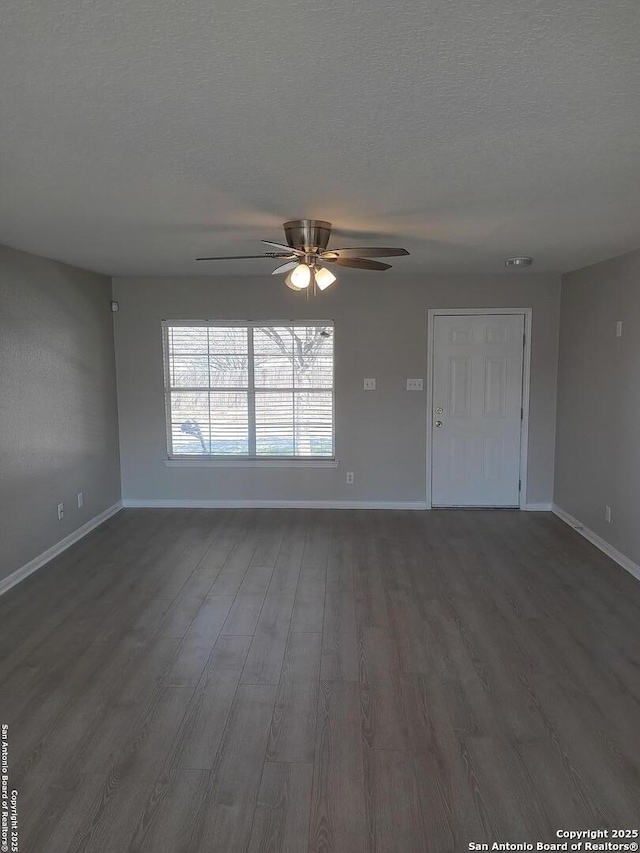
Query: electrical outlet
415	384
350	477
369	384
60	512
80	500
619	329
607	514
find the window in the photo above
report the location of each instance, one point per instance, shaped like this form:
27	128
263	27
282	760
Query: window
249	390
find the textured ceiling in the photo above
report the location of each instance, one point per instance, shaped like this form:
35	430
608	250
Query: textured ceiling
138	134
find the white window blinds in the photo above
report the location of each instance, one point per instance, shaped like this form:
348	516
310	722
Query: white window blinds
249	390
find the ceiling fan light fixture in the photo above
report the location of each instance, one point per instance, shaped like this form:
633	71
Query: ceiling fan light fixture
324	278
299	278
304	255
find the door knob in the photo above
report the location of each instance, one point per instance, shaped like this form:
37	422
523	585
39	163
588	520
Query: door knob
438	424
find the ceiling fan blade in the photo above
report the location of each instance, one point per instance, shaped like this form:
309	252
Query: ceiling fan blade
290	249
269	255
373	252
285	267
357	263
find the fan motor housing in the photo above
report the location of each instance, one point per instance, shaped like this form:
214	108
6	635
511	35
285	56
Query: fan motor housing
309	235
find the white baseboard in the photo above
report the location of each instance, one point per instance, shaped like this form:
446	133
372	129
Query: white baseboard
181	503
39	561
150	503
604	546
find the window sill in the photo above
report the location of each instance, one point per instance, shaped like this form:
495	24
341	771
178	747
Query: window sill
251	463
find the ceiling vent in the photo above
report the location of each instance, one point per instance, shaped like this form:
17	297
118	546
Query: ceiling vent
522	261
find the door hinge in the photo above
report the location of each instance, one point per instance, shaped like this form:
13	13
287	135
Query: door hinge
519	485
522	413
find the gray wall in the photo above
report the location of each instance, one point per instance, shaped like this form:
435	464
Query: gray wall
598	427
381	329
58	410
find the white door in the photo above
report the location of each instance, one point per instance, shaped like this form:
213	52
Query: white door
476	416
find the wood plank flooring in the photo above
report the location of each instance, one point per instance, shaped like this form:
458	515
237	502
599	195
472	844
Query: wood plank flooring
276	681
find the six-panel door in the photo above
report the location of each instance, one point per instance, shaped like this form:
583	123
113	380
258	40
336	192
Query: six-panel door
476	414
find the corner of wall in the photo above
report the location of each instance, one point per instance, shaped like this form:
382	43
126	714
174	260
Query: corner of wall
114	316
555	418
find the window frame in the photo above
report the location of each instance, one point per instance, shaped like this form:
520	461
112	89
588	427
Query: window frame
232	459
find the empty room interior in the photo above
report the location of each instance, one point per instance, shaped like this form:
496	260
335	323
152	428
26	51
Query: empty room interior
319	426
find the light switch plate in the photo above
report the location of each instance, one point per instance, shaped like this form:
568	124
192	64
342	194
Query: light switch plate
369	384
619	329
415	384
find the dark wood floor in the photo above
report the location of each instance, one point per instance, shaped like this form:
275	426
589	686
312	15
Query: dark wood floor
274	680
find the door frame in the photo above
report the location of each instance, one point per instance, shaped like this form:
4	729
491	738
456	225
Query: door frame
526	385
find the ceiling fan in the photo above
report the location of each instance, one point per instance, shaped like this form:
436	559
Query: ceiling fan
306	254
